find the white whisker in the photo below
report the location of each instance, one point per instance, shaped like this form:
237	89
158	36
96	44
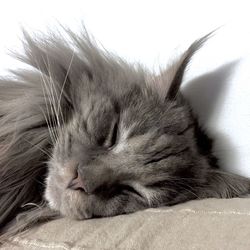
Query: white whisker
41	149
63	85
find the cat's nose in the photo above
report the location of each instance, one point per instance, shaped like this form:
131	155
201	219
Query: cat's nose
77	183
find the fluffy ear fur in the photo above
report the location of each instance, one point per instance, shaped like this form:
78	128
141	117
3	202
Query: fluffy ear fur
169	81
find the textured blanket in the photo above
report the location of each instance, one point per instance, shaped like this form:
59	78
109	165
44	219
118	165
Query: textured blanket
206	224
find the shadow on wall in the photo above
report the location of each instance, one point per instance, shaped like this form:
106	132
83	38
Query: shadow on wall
206	95
206	91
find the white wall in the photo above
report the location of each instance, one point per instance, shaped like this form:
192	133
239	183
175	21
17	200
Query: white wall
218	81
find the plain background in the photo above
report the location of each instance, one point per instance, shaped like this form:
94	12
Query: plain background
153	32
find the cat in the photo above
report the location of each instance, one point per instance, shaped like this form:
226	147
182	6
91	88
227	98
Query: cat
85	134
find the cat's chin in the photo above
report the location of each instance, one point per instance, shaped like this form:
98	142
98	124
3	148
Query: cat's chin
75	215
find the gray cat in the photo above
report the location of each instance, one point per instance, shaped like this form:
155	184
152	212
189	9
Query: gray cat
84	134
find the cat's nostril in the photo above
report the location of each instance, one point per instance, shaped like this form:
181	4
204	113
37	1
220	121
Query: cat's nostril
77	183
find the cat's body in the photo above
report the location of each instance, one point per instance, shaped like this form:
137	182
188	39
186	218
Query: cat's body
88	135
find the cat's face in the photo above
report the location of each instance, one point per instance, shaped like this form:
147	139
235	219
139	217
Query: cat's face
120	154
128	140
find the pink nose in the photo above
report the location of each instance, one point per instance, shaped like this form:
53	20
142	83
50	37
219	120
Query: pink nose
77	183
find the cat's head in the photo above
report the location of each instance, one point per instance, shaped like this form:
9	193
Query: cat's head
120	154
123	139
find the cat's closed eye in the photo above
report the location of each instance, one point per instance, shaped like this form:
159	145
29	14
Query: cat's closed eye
114	190
113	135
127	189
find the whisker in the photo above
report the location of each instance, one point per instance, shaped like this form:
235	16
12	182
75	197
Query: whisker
50	121
43	85
30	204
63	85
41	149
48	126
52	93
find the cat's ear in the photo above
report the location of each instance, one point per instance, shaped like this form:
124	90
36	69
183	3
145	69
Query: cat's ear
224	185
169	81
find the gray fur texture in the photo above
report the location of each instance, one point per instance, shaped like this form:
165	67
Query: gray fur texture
84	134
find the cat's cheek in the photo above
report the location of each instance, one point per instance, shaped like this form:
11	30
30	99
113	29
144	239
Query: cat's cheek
52	195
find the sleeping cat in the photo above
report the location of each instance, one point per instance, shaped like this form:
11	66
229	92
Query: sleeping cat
84	134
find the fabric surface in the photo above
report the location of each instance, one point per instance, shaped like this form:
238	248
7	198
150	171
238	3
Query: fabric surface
206	224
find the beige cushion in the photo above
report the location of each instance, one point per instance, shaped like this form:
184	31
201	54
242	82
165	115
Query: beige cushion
206	224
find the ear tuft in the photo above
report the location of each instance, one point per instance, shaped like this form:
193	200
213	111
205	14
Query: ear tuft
169	81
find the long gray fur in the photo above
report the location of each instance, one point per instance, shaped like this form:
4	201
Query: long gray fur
128	134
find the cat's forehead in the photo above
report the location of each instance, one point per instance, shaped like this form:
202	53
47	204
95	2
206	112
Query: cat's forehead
103	101
136	111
